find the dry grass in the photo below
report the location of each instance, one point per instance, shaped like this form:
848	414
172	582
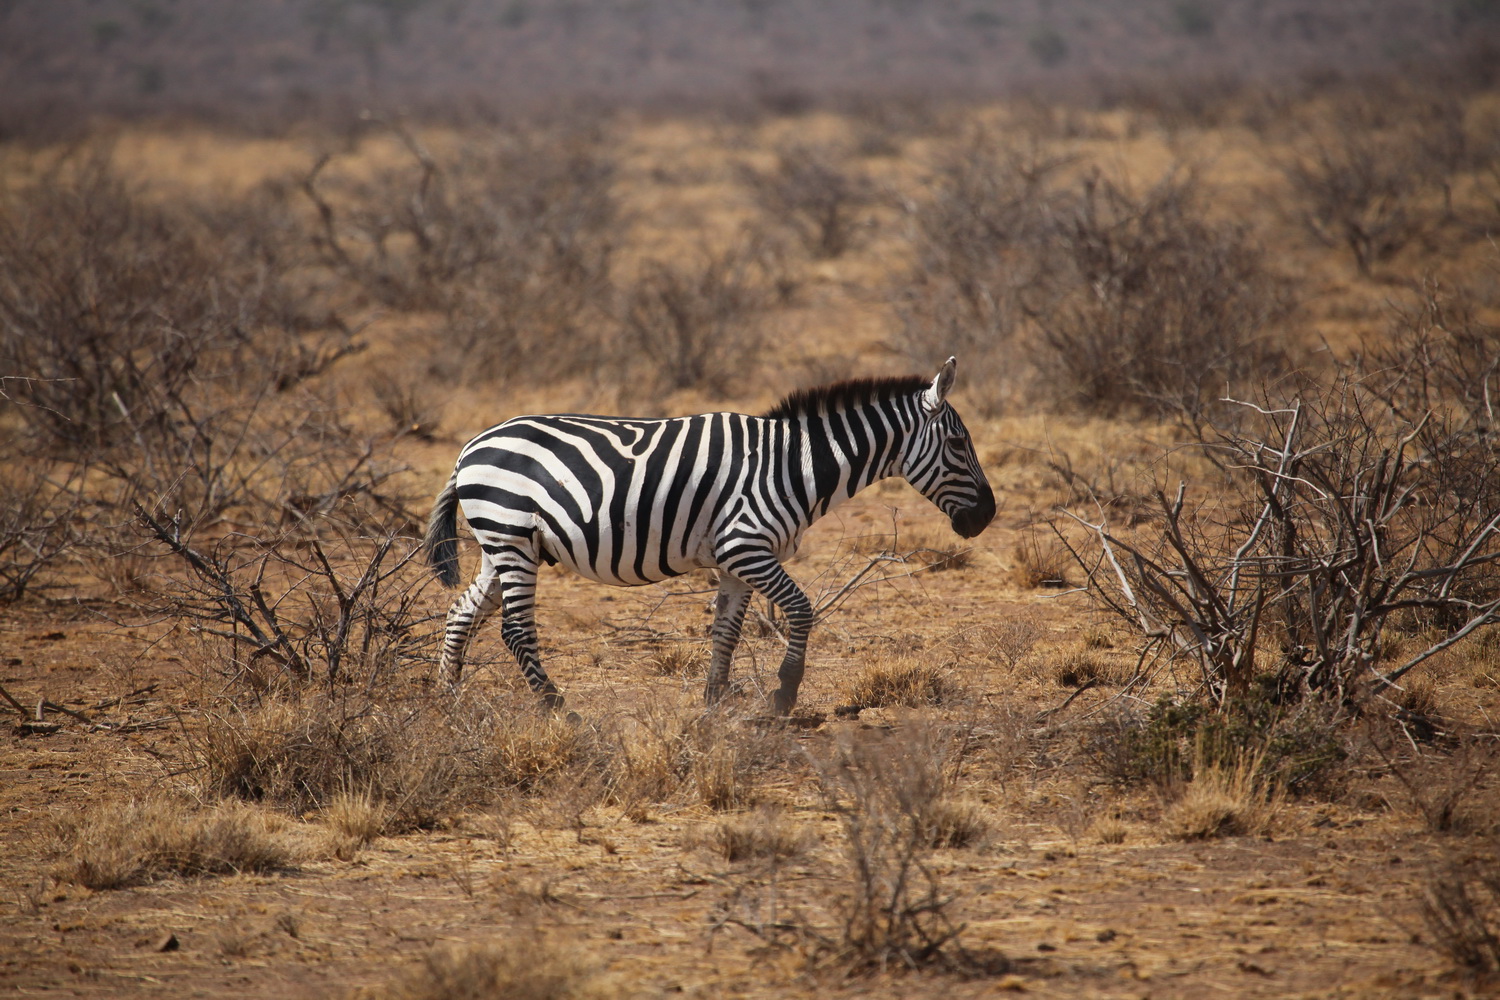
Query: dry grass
1224	801
142	840
906	683
1040	559
766	834
527	967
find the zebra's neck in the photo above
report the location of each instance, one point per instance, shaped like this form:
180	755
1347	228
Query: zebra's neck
844	451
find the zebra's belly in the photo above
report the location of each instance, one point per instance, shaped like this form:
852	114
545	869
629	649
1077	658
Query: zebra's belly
622	559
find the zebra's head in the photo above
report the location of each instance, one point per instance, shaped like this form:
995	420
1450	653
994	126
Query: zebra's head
939	460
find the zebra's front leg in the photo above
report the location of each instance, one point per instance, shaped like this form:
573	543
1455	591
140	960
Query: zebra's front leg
518	629
729	617
770	579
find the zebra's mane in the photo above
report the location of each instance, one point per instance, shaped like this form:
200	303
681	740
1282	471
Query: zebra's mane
845	395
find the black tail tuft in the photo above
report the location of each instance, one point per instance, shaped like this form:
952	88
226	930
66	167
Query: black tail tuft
441	541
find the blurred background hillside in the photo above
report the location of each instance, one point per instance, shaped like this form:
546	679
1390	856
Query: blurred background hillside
60	62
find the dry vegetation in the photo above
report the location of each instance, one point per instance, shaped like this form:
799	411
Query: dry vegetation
1210	708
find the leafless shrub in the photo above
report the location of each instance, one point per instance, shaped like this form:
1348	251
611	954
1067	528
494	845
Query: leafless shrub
814	191
509	236
696	324
887	794
984	258
1339	523
286	603
40	504
1011	637
1155	307
1371	175
142	840
1460	906
1448	787
526	967
124	315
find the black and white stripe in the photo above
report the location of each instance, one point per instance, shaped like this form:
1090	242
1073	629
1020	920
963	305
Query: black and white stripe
630	501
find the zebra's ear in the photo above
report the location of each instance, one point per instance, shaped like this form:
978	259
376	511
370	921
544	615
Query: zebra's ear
933	398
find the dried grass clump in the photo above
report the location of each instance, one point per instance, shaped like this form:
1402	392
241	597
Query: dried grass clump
357	818
523	968
935	550
1041	560
1224	801
956	822
908	684
142	840
679	661
417	763
1082	666
765	834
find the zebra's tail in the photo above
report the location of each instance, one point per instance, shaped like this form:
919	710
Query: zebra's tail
441	541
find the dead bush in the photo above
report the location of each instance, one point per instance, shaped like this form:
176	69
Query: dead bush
695	324
131	318
526	967
509	235
290	608
40	508
891	799
1338	522
141	840
984	260
814	191
1155	308
1460	906
1010	638
1371	174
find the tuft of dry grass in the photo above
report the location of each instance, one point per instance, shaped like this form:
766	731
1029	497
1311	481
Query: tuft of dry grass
1041	560
142	840
527	967
1083	666
955	821
764	834
1224	801
906	683
679	661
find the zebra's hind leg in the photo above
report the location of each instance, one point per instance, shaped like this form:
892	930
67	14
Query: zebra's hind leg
518	628
729	617
464	618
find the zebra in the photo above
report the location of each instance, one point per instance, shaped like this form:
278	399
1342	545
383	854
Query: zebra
630	501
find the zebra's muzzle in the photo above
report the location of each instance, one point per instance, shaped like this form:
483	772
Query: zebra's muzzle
970	521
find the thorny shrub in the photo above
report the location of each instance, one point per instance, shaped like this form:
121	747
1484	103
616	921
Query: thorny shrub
814	191
509	236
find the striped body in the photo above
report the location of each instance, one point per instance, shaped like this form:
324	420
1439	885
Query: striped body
629	501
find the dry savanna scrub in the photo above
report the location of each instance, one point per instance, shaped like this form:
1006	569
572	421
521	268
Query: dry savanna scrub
1226	354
